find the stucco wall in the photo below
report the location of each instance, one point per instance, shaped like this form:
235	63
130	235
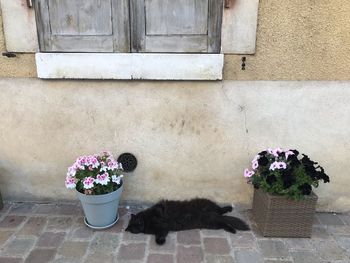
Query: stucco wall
21	66
296	40
191	138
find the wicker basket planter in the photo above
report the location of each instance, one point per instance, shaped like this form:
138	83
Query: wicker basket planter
277	216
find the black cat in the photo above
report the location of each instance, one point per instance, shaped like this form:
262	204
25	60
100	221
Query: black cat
168	216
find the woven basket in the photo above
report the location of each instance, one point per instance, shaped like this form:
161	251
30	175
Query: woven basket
277	216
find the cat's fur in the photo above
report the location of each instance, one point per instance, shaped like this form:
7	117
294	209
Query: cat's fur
168	216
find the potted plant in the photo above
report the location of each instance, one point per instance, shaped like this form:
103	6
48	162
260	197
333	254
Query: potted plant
283	203
98	183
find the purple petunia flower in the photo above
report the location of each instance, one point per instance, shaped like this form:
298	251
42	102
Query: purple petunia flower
255	164
248	173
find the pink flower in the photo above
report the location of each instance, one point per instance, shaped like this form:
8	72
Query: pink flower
270	150
94	162
82	160
248	173
282	165
70	182
255	164
275	151
88	182
102	179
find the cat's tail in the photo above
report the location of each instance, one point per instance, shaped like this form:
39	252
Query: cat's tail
235	223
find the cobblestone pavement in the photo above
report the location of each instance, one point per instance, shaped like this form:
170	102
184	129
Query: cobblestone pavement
56	233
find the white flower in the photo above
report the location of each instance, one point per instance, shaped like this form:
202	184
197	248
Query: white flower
117	179
278	165
288	153
71	171
103	169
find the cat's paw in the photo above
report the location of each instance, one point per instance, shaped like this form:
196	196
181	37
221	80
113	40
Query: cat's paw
226	209
160	240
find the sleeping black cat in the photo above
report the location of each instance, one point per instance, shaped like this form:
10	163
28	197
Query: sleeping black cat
168	216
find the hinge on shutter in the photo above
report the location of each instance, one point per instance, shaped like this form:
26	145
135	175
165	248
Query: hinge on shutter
30	3
227	3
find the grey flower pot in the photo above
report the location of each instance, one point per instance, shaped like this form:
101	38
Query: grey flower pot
101	211
1	203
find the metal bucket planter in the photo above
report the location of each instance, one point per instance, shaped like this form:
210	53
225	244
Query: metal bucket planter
101	211
278	216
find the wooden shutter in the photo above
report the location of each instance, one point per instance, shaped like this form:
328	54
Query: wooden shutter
83	25
192	26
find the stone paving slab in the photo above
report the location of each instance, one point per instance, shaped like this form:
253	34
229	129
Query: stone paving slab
35	233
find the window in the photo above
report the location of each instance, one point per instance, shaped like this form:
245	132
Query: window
137	26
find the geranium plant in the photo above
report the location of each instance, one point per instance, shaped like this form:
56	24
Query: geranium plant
284	172
95	174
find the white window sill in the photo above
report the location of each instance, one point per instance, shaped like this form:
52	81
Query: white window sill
129	66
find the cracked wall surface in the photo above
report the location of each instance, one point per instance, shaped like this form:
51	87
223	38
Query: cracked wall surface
192	139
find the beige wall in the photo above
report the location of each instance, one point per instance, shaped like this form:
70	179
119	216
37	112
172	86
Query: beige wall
296	40
191	138
21	66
